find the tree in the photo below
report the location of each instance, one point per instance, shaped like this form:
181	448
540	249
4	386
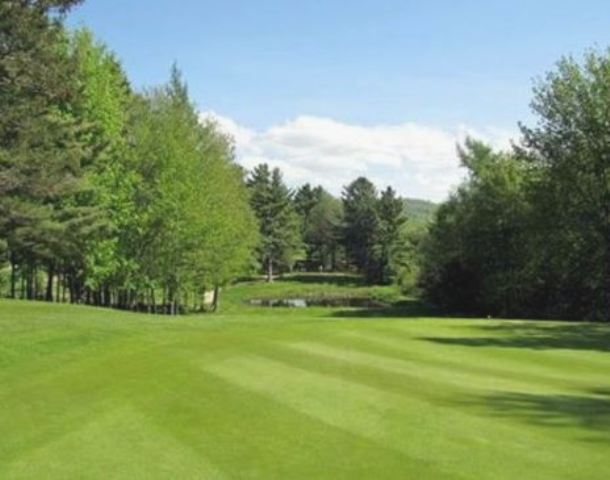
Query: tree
528	234
104	101
570	145
322	231
116	195
305	199
361	226
280	239
223	229
474	258
42	146
321	216
391	245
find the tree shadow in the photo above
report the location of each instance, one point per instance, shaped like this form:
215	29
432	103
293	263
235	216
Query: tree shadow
590	411
411	308
536	336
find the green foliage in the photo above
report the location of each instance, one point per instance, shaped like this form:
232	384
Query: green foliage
570	147
372	233
44	149
321	221
391	251
361	229
115	196
473	256
193	227
529	232
104	102
323	231
306	198
413	235
420	211
280	229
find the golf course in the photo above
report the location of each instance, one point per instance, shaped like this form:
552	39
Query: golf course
320	392
273	240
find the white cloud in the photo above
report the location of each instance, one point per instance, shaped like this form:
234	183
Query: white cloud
419	161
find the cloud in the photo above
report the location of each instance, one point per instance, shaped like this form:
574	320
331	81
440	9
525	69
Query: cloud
419	161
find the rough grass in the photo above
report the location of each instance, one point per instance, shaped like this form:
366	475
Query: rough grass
317	393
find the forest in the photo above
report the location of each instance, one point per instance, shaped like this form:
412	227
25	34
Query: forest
117	197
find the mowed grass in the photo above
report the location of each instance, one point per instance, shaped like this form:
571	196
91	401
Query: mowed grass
316	393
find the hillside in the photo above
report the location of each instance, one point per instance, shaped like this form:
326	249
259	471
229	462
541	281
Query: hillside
420	210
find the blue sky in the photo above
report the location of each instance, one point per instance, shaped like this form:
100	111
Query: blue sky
264	65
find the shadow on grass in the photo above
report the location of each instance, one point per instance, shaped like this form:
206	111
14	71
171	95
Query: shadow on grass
590	412
403	309
537	336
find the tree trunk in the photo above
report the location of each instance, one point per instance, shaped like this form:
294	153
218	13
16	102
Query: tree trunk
36	285
216	299
29	285
270	270
605	280
13	277
57	288
50	275
71	292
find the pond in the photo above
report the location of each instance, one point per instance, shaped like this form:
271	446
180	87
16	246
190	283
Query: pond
318	302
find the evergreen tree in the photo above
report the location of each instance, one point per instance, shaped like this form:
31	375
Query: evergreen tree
361	230
42	141
271	200
305	199
322	233
391	245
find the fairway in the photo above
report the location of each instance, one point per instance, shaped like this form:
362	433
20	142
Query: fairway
299	393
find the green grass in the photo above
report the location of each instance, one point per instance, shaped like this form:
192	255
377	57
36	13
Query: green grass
313	285
317	393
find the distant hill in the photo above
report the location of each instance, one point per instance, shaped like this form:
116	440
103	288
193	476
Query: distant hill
419	210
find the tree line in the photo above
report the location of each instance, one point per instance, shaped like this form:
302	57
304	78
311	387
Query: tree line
122	198
109	196
528	232
310	229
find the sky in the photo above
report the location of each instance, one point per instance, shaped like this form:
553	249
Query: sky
329	90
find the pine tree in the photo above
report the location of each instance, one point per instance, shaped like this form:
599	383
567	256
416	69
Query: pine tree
323	231
390	244
361	230
280	236
42	147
